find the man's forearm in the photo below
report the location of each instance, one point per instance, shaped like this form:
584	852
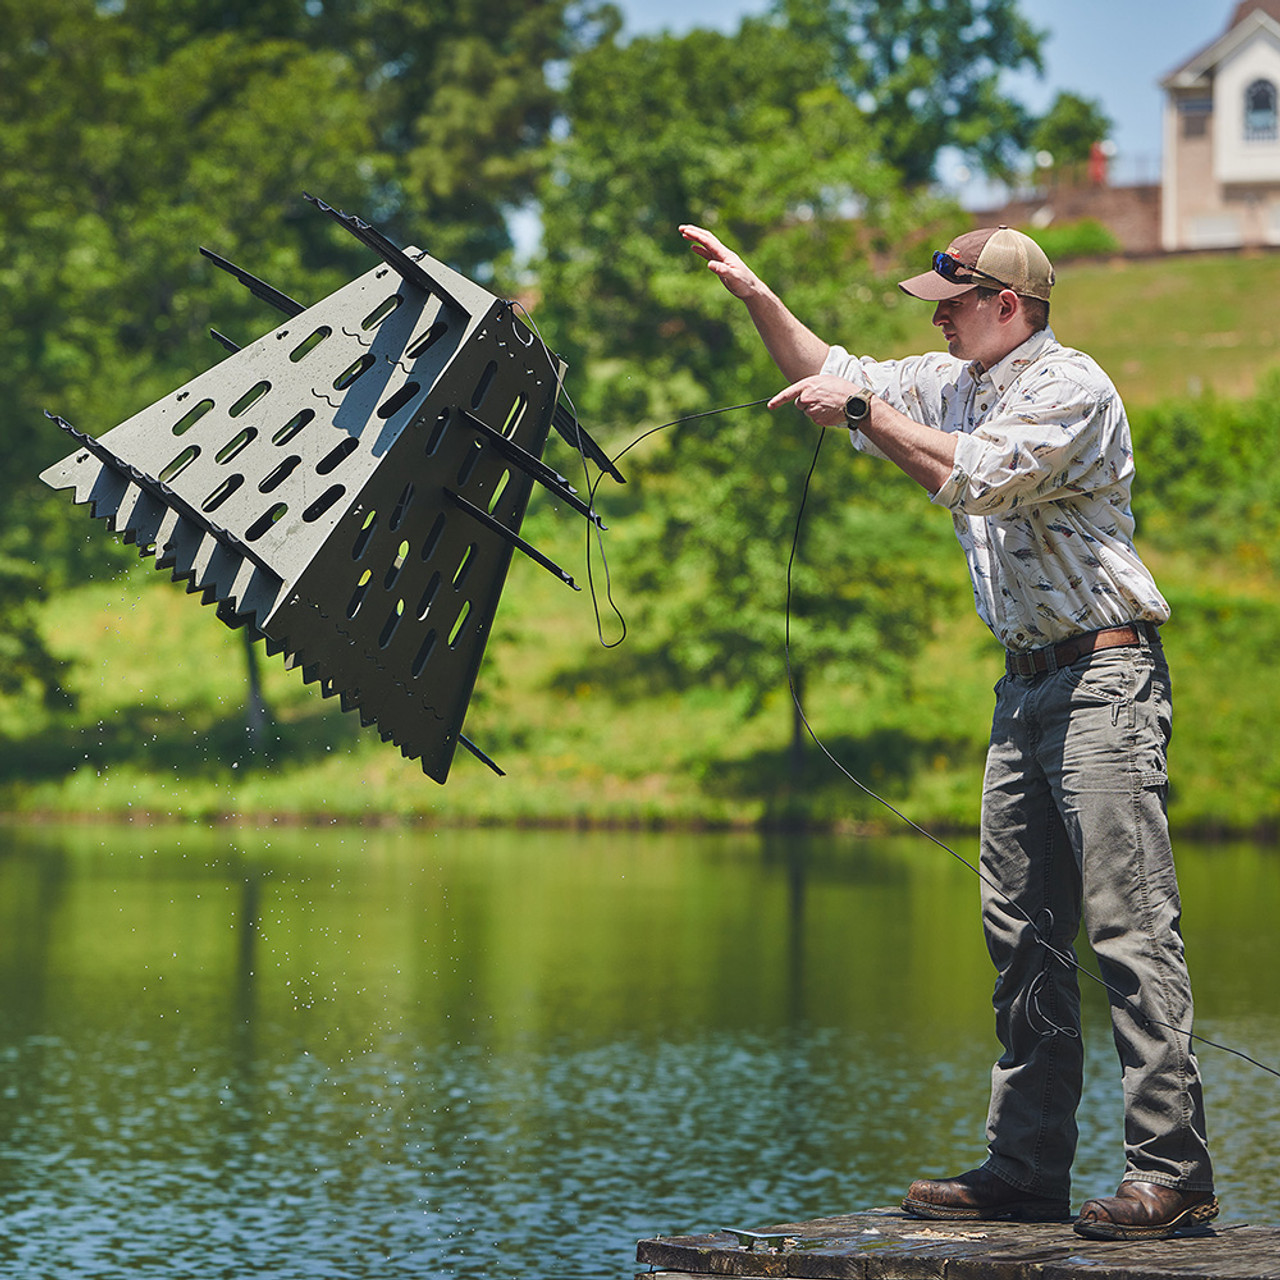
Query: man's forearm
796	349
924	453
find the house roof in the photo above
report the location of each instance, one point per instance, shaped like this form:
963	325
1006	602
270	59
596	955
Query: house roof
1270	7
1250	16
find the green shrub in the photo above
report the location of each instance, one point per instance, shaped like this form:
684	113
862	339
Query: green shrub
1085	238
1208	477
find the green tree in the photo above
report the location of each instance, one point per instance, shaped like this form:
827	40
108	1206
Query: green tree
458	95
1068	130
110	176
927	73
136	130
746	133
463	96
113	168
26	666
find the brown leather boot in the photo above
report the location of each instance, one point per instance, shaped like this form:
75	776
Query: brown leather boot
981	1196
1145	1211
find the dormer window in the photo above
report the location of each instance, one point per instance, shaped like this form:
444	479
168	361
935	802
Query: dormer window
1260	112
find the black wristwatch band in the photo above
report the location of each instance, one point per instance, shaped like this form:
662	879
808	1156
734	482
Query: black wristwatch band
856	409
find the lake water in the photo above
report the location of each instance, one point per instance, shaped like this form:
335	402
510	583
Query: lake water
353	1053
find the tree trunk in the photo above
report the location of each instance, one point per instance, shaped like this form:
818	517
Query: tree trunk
798	731
257	715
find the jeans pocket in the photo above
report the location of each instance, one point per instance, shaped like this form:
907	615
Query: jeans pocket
1109	676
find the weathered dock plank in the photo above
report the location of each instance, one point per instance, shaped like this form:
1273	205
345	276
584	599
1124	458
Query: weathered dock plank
885	1244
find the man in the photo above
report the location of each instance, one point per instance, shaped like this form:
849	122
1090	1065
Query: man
1026	443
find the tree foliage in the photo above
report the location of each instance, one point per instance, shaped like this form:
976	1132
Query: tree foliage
1207	480
1069	129
136	130
746	133
113	169
927	74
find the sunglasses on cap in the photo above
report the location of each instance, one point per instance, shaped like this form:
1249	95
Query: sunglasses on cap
951	268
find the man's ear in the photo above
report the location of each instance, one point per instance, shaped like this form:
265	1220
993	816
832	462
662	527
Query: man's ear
1010	304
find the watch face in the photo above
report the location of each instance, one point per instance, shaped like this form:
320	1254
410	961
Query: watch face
855	408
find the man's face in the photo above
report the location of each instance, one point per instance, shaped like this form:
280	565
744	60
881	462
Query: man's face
970	324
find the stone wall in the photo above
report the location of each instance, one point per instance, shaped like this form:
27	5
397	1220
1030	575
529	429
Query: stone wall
1132	214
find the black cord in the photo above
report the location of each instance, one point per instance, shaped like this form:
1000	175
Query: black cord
591	493
592	485
1063	957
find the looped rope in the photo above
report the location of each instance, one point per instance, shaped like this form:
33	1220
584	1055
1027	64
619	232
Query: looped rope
593	485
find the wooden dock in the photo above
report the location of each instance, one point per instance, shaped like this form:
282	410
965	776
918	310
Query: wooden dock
886	1244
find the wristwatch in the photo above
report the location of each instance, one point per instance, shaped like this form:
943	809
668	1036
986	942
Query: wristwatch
856	408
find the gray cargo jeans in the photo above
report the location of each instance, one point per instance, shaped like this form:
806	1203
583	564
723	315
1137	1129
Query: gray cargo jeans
1074	825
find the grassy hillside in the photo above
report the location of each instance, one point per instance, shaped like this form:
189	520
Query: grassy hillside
1161	327
158	726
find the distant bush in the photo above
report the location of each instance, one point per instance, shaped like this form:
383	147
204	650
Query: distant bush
1208	475
1086	238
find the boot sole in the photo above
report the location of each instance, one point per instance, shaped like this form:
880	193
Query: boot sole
1015	1211
1198	1215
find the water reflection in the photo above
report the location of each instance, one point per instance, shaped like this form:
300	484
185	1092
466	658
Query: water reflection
290	1053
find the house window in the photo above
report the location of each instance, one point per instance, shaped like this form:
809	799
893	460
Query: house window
1193	116
1260	112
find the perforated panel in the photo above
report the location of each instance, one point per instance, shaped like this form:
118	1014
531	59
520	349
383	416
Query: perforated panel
319	485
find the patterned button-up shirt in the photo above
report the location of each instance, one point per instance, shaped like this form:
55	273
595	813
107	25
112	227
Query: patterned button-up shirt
1039	494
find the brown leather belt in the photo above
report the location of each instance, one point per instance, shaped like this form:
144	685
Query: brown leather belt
1055	656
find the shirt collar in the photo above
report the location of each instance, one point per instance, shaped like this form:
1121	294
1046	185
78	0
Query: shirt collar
1006	372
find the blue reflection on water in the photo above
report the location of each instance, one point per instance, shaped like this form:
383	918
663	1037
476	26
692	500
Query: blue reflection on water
550	1164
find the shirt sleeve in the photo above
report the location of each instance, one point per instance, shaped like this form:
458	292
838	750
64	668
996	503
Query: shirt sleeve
915	386
1059	438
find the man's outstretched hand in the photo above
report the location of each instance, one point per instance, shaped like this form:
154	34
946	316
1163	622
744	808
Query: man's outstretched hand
733	273
795	348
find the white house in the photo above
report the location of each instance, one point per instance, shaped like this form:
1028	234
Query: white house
1221	178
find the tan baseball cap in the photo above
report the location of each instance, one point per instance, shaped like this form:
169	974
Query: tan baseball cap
994	257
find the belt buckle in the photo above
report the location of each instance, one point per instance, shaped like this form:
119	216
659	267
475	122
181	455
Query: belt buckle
1022	664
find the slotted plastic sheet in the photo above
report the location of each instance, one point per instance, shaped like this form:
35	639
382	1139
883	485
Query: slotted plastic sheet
351	486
